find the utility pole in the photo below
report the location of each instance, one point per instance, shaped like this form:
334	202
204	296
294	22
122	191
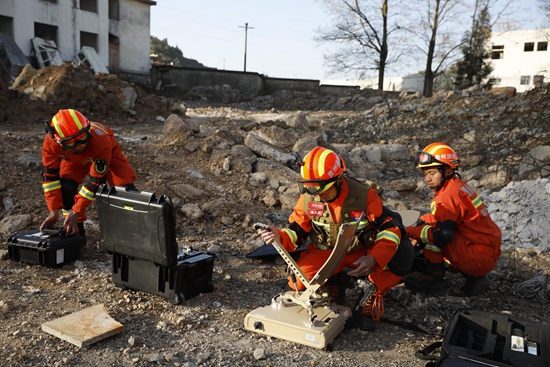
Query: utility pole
246	27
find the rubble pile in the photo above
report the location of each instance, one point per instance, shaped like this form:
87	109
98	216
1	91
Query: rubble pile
522	211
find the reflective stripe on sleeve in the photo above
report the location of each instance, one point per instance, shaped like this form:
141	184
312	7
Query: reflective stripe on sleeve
388	235
424	235
85	193
433	248
49	186
292	235
477	202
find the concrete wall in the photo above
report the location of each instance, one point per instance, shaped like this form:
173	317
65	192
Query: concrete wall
272	85
250	85
337	89
132	28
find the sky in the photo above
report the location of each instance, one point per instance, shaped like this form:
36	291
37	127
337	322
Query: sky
279	39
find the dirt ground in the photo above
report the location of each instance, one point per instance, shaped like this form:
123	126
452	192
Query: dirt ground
206	330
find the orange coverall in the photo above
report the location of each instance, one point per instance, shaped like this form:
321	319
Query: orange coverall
102	158
475	247
382	250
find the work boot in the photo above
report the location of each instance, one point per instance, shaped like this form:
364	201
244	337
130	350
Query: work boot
433	282
336	287
369	306
474	286
82	234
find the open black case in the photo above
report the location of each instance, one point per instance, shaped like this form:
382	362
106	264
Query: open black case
478	338
139	230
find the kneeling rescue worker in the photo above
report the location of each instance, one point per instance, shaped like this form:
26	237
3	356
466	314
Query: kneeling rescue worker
380	252
73	148
458	234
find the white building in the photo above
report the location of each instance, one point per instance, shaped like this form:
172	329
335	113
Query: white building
520	59
119	30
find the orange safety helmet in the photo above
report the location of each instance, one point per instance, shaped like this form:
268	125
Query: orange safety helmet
437	154
66	128
319	170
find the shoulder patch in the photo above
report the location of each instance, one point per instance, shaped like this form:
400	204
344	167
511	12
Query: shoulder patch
100	166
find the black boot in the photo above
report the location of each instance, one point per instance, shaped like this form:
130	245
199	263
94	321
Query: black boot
368	307
82	233
474	286
433	282
336	287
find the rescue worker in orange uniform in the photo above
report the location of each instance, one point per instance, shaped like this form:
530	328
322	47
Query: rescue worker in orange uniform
73	148
378	252
458	234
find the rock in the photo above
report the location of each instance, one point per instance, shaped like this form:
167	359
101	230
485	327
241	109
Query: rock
260	354
266	150
537	162
188	191
192	211
270	198
15	223
509	91
298	121
29	161
175	123
4	184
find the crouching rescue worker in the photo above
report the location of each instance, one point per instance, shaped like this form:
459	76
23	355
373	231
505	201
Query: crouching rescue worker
380	251
73	148
458	234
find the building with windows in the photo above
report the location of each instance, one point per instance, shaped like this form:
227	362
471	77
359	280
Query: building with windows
119	30
520	59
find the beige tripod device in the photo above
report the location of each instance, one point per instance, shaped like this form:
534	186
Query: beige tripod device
307	317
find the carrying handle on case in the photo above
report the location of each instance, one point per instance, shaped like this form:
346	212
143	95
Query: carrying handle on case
425	353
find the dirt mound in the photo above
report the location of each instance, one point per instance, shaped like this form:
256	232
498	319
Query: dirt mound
100	96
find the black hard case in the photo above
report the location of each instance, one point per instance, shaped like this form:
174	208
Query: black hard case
45	249
140	225
485	338
191	276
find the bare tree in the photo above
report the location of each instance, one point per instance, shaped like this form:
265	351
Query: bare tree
437	31
363	29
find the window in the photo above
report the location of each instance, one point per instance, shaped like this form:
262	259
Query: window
495	81
114	12
89	5
542	46
525	79
538	79
88	39
498	52
529	46
6	25
45	31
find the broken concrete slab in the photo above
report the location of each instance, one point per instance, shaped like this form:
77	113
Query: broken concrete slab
84	327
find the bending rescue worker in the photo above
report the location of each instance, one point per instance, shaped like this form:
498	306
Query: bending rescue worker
73	148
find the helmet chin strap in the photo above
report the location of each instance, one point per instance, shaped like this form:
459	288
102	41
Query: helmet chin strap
338	187
441	170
